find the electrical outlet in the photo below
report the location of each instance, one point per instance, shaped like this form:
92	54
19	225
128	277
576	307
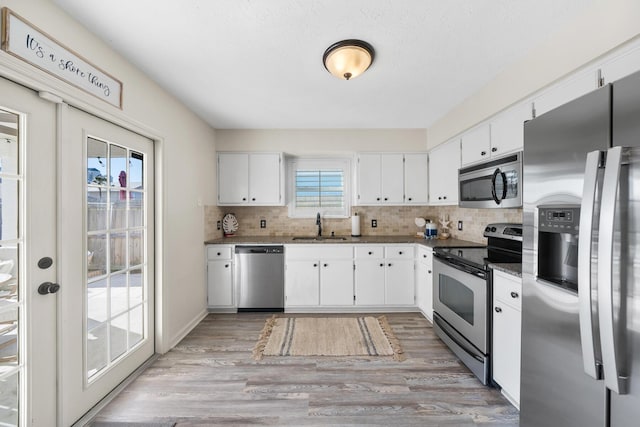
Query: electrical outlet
374	223
263	223
219	225
460	225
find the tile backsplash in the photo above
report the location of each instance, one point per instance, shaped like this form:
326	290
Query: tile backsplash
392	220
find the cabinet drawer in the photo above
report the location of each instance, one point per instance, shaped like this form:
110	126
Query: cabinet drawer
219	252
319	251
364	252
399	252
507	289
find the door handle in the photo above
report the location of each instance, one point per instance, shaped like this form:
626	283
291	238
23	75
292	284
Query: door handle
612	378
585	239
48	288
493	186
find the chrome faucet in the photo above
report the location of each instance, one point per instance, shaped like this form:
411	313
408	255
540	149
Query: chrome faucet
319	224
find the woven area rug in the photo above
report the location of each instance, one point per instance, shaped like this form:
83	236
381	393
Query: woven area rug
327	336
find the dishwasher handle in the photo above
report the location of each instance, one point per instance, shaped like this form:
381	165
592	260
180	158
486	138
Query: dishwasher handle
259	249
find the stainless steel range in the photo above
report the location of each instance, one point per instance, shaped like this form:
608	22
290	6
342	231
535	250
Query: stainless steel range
462	294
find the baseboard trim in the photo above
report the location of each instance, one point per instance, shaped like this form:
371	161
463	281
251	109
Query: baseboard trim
188	328
352	309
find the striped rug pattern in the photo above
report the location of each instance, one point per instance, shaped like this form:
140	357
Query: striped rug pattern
327	336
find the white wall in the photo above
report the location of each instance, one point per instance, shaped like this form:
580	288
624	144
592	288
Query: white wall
603	27
187	146
322	141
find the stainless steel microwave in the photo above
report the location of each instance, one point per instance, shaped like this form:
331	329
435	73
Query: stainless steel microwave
493	184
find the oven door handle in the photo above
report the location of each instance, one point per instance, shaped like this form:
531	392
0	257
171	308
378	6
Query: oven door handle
453	263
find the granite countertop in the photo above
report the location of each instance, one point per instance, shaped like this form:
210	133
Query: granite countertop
279	240
513	268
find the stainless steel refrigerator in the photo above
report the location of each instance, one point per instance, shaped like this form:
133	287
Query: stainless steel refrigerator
581	262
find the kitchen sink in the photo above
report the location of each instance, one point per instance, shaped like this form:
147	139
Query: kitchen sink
317	239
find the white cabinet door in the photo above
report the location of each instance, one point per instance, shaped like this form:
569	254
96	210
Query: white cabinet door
369	281
220	283
621	66
265	186
444	162
506	349
416	178
400	282
369	179
392	184
475	144
233	178
578	85
336	282
302	283
424	281
506	333
507	130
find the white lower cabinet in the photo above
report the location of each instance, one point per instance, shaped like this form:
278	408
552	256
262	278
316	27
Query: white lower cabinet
384	275
302	283
507	320
318	275
424	281
220	289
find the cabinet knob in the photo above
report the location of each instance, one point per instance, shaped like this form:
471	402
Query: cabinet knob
244	199
494	149
389	264
444	197
326	265
514	295
253	199
381	265
410	199
378	199
315	265
226	266
439	198
399	252
498	310
386	198
483	153
370	253
429	271
219	254
424	256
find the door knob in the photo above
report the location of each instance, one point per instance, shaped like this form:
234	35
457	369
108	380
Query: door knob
48	288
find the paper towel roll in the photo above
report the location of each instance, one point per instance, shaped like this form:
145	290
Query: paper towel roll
355	226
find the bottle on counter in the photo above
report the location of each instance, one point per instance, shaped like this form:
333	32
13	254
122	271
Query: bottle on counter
431	230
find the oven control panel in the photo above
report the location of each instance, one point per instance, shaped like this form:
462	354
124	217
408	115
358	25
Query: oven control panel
559	219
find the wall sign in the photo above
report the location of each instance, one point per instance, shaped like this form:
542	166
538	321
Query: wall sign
24	41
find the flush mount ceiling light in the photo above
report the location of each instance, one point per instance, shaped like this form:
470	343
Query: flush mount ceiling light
348	58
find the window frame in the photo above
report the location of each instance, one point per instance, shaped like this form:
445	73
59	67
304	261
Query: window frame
319	163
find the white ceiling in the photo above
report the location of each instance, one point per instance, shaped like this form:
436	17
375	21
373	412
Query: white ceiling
257	64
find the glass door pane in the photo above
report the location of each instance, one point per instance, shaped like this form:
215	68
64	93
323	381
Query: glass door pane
11	301
116	257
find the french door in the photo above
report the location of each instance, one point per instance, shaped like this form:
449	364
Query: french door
106	258
28	338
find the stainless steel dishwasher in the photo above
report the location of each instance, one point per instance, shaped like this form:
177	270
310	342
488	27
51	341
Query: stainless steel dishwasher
260	275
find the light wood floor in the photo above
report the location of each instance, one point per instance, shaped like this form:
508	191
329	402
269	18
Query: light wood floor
211	379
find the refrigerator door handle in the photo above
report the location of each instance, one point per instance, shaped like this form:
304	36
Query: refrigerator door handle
585	238
612	378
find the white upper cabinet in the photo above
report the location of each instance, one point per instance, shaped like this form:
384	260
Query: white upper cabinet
250	179
570	89
621	66
380	179
416	179
444	162
507	129
476	144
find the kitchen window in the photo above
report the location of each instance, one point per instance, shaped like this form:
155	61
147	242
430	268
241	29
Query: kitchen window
319	185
